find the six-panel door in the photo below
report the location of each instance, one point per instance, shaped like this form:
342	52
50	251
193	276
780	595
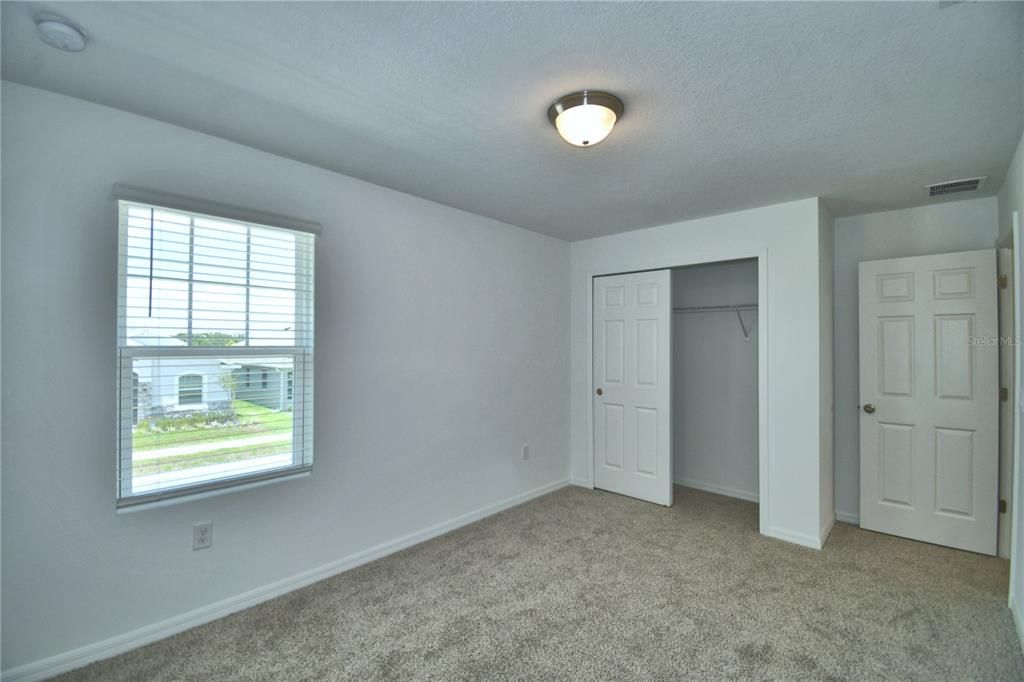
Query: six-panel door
632	390
929	399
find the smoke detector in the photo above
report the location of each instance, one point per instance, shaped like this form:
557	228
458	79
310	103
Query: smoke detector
953	186
58	32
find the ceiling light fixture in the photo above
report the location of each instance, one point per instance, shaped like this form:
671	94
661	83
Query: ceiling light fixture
58	32
585	118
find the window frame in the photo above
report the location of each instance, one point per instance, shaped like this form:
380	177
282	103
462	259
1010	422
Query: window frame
301	355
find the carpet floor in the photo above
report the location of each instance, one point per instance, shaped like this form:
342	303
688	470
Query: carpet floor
591	585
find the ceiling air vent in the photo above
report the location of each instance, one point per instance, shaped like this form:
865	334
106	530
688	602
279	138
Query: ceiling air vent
954	186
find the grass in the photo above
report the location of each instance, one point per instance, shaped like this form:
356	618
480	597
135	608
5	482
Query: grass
266	420
159	465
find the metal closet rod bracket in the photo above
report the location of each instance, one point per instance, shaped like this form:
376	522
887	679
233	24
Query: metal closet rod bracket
721	309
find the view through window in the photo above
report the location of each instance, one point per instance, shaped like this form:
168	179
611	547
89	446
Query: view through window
215	332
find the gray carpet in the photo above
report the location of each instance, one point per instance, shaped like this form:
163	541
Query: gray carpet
591	585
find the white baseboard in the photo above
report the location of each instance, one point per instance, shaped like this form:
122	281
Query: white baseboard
76	658
717	489
581	483
795	538
847	517
1018	623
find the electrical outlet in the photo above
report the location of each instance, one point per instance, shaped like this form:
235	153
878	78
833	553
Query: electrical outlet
526	452
202	535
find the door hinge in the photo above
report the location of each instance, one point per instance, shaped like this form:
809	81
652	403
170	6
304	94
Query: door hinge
1004	394
1002	506
1002	281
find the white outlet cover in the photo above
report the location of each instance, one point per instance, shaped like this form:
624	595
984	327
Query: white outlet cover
202	535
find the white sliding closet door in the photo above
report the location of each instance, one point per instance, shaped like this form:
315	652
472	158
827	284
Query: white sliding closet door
632	385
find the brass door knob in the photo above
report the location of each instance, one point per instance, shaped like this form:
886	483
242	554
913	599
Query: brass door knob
869	408
600	392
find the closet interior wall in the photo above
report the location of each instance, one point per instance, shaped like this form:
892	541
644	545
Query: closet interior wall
714	394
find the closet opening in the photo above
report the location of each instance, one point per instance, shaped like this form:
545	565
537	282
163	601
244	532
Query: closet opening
715	329
679	384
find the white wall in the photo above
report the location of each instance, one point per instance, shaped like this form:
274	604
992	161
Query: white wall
826	412
442	347
787	235
714	380
1011	195
940	228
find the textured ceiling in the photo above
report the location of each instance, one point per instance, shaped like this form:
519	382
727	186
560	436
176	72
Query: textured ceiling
728	105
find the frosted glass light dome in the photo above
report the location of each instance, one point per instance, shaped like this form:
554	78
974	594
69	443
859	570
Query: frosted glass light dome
585	118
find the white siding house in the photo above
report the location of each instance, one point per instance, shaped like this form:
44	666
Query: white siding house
167	386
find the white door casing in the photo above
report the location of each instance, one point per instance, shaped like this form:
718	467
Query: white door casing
929	399
1007	383
632	385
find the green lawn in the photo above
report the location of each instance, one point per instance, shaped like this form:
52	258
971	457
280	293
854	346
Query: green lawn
159	465
267	421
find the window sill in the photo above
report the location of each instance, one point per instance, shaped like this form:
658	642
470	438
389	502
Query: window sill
170	499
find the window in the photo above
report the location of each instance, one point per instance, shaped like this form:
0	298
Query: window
204	303
190	389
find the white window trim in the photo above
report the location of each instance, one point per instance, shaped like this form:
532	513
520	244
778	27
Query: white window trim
301	354
177	202
193	495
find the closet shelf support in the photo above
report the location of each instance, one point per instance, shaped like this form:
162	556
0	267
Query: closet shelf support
723	309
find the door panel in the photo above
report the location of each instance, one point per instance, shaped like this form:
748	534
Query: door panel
896	464
614	435
896	355
953	367
647	353
615	359
647	441
929	363
954	467
632	365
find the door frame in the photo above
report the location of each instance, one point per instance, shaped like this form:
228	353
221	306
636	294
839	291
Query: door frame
1016	504
704	258
1008	408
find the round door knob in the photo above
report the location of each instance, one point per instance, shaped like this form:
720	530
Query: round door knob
869	408
600	392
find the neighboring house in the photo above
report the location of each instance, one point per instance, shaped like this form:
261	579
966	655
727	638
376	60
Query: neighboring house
169	386
265	384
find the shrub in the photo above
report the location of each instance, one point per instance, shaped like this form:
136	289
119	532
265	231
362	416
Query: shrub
191	421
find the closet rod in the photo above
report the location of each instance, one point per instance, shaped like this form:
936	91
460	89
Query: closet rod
715	308
738	309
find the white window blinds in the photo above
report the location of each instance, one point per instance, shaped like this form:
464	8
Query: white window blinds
215	346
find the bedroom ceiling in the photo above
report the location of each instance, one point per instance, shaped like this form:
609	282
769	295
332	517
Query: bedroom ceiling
728	106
